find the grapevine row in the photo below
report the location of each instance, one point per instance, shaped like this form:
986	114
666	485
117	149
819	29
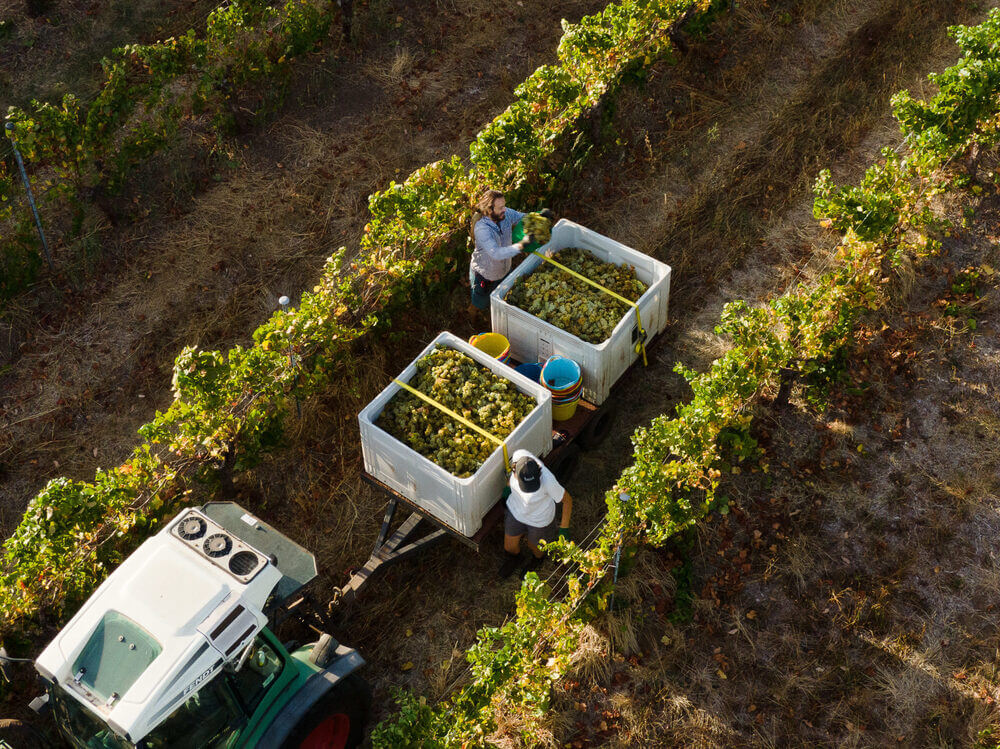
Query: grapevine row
81	153
680	461
229	407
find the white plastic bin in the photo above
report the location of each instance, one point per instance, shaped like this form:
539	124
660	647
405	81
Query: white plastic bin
460	503
534	340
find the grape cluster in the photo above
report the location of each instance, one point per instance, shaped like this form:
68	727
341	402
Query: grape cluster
467	388
572	305
539	227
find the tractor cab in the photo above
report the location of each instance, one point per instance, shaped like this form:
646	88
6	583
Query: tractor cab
172	650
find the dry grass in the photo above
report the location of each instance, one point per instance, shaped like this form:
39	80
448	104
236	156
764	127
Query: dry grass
721	196
592	658
398	70
875	595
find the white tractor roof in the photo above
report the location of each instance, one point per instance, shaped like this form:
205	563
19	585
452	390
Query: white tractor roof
182	605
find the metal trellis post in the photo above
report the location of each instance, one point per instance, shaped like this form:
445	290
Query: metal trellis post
618	557
9	126
283	301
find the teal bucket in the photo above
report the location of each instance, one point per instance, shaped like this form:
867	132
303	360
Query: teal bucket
561	375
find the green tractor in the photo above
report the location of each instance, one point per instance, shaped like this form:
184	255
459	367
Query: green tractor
173	650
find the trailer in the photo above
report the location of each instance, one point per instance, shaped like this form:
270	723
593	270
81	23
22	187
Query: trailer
177	646
587	429
603	367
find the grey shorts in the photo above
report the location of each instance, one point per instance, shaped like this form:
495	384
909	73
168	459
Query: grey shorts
514	527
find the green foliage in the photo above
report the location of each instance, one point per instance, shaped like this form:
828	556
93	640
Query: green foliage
416	724
149	92
679	462
228	408
965	292
872	208
963	112
988	738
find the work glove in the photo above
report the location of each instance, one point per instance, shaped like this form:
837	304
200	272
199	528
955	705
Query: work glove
564	533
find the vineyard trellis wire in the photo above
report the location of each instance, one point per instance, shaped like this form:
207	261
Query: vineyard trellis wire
391	274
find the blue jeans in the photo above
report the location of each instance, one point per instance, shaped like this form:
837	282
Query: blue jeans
481	290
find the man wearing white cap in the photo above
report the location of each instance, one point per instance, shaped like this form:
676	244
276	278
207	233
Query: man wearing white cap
531	512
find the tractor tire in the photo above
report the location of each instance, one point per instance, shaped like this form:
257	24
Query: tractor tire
16	734
597	429
565	465
337	720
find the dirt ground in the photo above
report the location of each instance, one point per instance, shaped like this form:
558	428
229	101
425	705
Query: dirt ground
709	169
667	171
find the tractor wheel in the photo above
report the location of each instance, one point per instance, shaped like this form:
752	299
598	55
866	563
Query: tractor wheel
597	429
565	465
337	721
16	734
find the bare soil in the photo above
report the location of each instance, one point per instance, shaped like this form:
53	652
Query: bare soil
691	165
58	50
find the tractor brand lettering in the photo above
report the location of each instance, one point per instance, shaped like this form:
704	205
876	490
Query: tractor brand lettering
190	687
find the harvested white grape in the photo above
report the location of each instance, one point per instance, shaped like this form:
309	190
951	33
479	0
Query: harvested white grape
539	227
565	301
467	388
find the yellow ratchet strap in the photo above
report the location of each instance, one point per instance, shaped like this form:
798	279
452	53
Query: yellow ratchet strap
461	419
606	290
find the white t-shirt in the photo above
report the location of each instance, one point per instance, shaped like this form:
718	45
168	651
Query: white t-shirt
538	508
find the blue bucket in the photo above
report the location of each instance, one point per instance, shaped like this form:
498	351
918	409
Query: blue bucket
561	375
531	370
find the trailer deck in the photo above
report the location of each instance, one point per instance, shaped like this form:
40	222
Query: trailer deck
405	542
589	425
